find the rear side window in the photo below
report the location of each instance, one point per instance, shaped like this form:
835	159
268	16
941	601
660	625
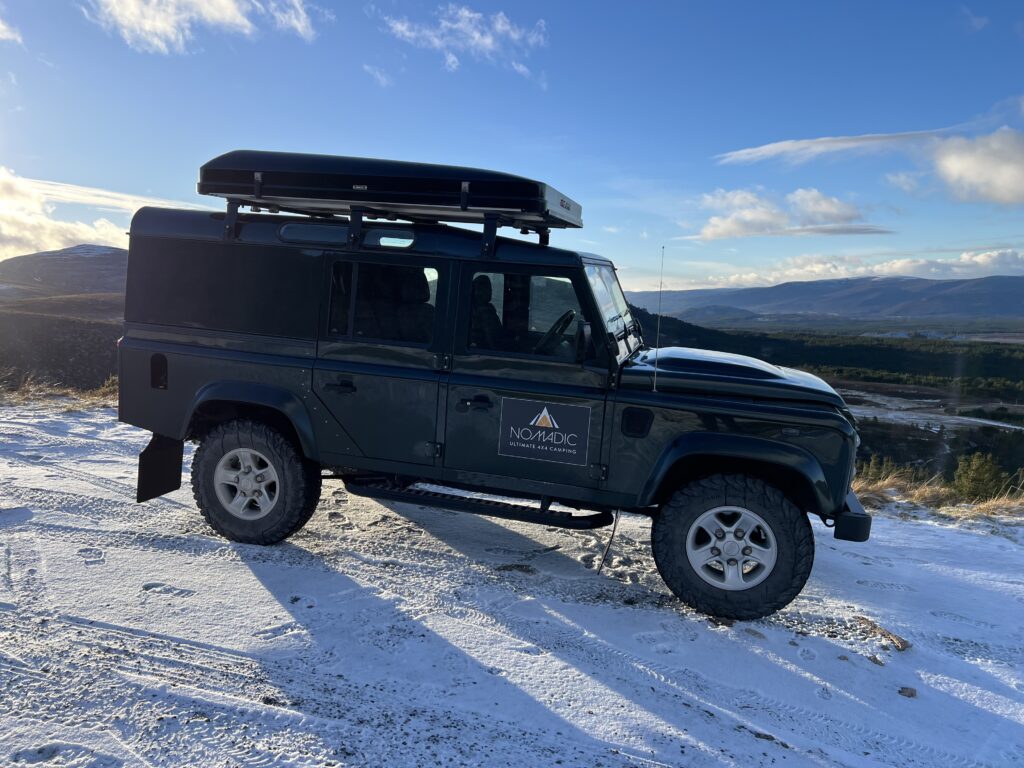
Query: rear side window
219	286
383	302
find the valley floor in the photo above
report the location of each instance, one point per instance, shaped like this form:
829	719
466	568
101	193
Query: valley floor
404	636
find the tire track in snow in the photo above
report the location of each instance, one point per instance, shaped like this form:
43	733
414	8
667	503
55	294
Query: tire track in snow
198	723
114	486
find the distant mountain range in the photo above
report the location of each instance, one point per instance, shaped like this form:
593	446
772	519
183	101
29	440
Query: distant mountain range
86	281
61	313
860	297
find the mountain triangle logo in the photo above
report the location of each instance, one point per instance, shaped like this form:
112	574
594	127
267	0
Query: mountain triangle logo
544	419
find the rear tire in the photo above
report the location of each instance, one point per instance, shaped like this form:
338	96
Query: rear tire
756	570
251	483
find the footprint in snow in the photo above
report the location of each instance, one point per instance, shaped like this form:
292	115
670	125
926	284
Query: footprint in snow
92	555
66	754
807	654
517	567
950	616
279	630
885	586
159	588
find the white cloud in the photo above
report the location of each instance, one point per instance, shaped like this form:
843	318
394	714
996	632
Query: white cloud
810	207
382	78
166	26
747	213
968	264
612	230
292	16
458	29
974	23
801	150
8	84
987	168
27	208
906	181
9	33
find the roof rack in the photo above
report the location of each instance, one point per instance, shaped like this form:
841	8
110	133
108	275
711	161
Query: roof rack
327	185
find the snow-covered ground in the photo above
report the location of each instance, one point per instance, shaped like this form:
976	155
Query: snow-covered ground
396	635
919	412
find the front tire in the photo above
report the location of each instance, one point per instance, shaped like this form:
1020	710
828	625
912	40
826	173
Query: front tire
733	546
251	483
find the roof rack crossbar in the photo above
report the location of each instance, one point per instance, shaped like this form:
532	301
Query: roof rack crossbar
357	220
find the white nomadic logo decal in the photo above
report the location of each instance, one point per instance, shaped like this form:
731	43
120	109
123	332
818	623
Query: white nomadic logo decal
531	432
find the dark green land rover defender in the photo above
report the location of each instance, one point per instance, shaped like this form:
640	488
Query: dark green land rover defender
344	329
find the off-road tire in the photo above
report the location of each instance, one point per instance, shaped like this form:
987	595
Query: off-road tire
299	480
790	526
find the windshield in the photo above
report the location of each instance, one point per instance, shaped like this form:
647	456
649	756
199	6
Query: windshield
611	302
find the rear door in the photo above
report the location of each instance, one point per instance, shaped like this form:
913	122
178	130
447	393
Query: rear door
382	354
519	405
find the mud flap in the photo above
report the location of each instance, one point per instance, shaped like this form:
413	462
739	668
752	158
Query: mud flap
854	524
159	467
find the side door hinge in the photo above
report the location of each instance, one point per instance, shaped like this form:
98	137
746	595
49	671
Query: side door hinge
435	449
442	362
598	471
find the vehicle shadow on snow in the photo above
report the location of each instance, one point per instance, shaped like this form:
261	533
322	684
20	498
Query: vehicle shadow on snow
390	687
805	664
677	698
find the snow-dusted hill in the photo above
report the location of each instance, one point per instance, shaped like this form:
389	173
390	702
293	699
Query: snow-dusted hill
402	636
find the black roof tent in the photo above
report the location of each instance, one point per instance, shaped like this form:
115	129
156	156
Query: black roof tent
325	185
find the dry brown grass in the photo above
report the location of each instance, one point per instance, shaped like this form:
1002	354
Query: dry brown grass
881	487
34	390
901	484
1007	505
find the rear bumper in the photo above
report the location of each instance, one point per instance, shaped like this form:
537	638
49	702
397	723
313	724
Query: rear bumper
853	523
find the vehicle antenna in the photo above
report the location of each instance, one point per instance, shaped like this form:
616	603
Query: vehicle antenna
657	331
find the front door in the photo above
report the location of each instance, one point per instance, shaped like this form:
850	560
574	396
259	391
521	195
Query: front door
520	406
378	370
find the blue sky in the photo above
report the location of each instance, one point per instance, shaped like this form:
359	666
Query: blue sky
758	142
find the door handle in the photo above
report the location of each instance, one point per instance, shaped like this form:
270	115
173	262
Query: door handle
478	403
341	387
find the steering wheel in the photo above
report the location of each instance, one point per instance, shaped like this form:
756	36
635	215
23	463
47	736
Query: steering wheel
556	330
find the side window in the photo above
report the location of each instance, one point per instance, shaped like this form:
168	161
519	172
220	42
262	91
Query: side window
525	314
386	302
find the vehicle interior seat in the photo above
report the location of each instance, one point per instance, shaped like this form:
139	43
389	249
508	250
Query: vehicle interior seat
485	328
376	300
415	314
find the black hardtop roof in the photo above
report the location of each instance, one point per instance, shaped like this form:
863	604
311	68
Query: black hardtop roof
320	184
269	229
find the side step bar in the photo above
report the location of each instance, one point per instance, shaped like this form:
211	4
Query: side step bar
385	490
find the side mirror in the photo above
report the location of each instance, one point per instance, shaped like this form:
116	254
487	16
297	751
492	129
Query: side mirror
584	339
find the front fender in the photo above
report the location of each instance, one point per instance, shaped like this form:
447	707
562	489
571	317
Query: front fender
250	393
759	450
